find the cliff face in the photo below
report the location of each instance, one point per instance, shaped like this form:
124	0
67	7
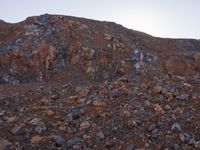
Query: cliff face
59	48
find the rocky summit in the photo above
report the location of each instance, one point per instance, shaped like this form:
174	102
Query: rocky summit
80	84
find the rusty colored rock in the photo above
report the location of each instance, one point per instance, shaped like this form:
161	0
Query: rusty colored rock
158	108
179	66
38	139
99	103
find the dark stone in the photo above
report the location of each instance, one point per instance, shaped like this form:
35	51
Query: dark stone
58	140
72	142
130	147
176	127
182	96
187	136
68	117
17	130
130	95
151	127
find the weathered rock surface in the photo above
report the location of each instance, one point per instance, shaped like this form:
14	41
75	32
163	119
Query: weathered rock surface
74	83
61	48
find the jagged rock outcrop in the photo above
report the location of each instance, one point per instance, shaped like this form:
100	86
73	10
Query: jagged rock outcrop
60	48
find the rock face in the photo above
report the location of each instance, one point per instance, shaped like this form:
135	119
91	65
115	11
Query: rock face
79	84
61	48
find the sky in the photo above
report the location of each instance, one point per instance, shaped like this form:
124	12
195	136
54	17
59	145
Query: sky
161	18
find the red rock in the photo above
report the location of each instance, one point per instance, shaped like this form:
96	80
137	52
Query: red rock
179	66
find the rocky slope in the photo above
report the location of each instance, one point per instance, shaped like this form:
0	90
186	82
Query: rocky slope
74	83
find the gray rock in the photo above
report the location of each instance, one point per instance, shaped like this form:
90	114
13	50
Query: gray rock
187	136
130	95
151	127
77	147
58	140
182	96
155	133
114	93
130	147
100	135
72	142
176	127
34	121
68	117
40	128
176	147
17	130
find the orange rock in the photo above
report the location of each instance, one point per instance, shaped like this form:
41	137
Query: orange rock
37	139
103	114
126	113
168	95
99	103
73	97
158	109
83	93
50	113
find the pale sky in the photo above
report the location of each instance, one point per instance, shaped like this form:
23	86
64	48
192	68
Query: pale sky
163	18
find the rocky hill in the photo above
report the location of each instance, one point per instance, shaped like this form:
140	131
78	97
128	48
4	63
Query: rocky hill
75	83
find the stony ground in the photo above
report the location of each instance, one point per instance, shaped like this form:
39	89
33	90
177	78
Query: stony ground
73	83
124	114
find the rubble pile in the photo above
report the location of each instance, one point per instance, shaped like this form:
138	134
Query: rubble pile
74	83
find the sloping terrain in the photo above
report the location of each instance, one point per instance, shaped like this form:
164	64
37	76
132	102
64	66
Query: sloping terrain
74	83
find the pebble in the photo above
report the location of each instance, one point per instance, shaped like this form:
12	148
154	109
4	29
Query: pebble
40	128
100	135
84	125
197	144
68	117
17	130
176	127
157	89
168	95
182	96
158	109
99	103
72	142
37	139
151	127
185	137
50	113
34	121
58	140
130	95
130	147
114	93
155	133
126	113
